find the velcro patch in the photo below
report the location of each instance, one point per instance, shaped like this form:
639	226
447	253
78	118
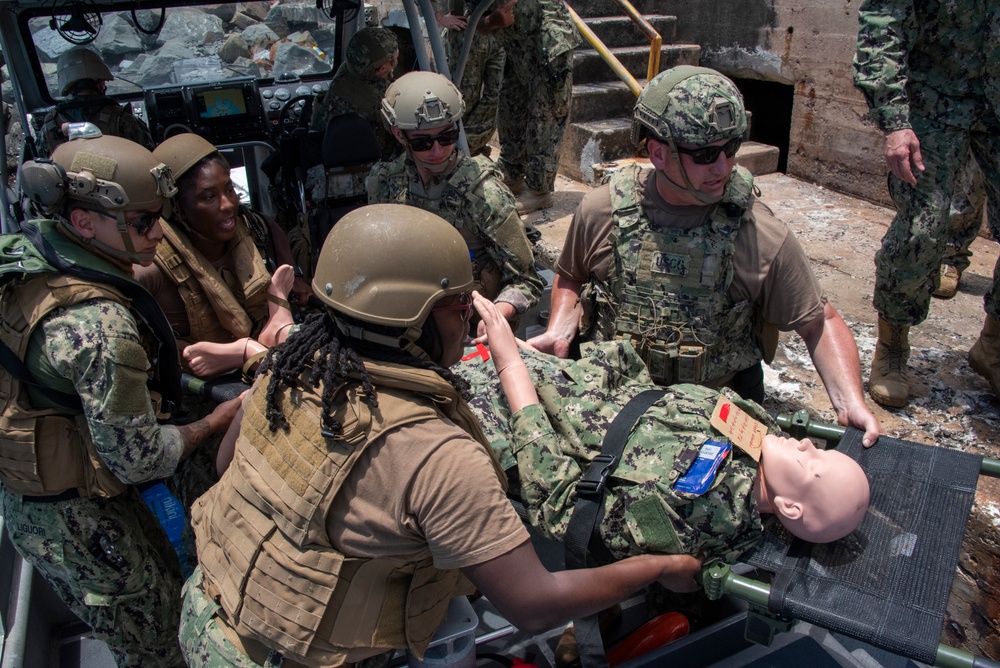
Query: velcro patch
101	166
669	263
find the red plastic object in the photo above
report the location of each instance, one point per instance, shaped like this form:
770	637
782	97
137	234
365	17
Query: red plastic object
481	351
655	633
517	661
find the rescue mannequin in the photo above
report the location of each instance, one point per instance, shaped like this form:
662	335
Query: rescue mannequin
212	271
359	474
548	443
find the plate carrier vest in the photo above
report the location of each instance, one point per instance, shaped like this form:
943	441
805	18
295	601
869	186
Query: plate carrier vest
667	289
264	547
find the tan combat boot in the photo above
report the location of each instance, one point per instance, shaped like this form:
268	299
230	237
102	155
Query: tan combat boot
533	200
516	185
948	286
887	383
985	354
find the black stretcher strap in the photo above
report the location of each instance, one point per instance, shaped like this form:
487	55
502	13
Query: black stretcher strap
888	583
581	532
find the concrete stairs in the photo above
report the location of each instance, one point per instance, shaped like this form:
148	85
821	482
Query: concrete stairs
600	117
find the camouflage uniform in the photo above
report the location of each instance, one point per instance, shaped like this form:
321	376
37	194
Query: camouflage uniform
549	445
473	199
933	67
482	80
537	89
107	558
104	112
355	89
966	215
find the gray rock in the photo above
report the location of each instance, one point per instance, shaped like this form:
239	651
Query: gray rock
189	25
234	47
118	37
294	59
50	45
241	21
256	34
155	69
257	10
275	20
224	12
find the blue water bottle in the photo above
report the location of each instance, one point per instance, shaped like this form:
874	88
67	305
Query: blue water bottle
170	513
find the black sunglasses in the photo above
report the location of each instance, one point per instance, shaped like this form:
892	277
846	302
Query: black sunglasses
141	226
465	306
709	154
446	138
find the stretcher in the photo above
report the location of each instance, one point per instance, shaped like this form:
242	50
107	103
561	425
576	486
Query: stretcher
888	584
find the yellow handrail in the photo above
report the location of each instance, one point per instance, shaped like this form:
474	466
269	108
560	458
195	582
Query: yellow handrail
656	42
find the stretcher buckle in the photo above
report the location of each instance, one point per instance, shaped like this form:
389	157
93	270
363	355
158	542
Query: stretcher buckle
591	485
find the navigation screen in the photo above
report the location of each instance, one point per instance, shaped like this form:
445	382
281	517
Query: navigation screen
219	103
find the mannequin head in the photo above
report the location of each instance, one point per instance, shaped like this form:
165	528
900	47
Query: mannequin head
818	495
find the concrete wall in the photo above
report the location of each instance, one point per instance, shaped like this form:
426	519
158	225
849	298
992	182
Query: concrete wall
808	44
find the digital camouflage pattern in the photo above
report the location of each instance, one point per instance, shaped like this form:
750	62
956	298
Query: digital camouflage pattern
968	203
702	108
482	80
111	563
475	201
537	89
107	558
933	67
550	445
110	117
667	289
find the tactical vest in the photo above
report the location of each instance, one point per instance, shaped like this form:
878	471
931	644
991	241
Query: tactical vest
214	313
44	452
667	289
262	536
459	204
107	118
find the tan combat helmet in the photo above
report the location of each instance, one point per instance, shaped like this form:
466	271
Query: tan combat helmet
183	151
387	265
80	63
422	101
105	173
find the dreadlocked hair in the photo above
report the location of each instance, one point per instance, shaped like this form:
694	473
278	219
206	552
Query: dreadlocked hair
333	357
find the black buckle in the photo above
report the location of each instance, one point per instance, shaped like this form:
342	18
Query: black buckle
593	481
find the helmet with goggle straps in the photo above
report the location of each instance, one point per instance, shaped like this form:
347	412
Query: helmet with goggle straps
104	173
387	265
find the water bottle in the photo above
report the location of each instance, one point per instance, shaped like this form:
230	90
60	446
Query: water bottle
170	513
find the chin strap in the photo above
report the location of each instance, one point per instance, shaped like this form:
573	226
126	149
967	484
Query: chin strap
124	257
435	170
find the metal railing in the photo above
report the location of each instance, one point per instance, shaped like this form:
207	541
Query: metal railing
655	44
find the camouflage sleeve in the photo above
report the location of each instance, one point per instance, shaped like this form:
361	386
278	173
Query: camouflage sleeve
886	33
559	33
509	248
95	345
377	183
548	476
131	128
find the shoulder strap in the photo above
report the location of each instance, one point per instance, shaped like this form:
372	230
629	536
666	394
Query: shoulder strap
581	531
15	367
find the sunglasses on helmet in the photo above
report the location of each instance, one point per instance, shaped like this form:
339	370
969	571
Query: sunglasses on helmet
141	226
446	138
464	306
709	154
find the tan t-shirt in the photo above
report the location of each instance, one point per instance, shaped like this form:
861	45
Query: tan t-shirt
770	268
425	490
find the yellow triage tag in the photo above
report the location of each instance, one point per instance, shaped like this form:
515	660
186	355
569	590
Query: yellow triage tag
736	424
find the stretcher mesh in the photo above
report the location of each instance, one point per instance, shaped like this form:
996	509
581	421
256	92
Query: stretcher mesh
887	583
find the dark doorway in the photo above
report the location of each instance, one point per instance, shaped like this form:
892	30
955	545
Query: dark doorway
770	104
